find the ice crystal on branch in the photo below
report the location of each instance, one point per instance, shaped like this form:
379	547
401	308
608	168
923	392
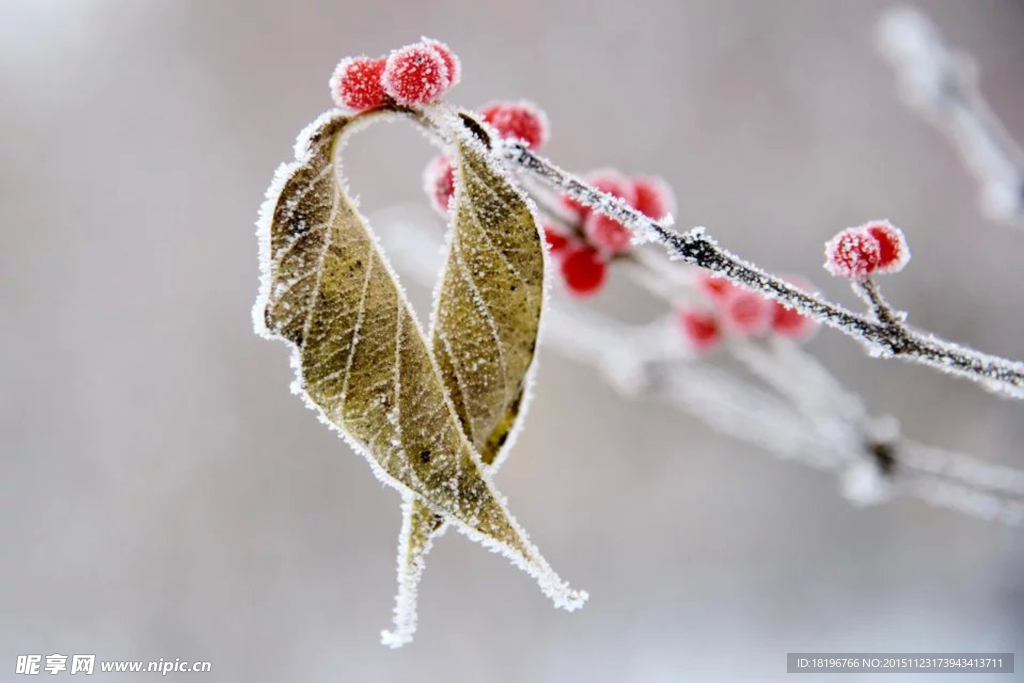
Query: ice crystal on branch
608	181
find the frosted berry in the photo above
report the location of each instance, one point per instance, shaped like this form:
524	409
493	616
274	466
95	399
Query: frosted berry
557	242
356	83
583	270
415	74
714	287
853	254
700	328
893	252
654	197
607	234
746	313
439	183
522	120
605	180
451	61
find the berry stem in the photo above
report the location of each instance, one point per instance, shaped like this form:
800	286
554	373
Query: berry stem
867	289
886	337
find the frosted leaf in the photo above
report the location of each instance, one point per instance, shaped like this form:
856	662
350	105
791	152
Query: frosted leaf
488	307
485	326
361	360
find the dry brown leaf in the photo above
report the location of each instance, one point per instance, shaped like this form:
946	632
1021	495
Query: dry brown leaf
361	359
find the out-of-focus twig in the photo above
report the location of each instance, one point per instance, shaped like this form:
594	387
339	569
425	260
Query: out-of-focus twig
942	84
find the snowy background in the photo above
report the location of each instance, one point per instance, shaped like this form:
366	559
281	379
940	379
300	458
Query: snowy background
163	495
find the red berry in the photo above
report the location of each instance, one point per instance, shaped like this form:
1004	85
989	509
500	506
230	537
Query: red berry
747	313
356	84
853	254
716	288
893	252
787	322
583	270
451	61
654	197
557	242
701	329
439	183
415	74
523	120
605	180
607	234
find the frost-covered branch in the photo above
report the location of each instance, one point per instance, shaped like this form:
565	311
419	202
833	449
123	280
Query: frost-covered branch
942	85
801	413
883	339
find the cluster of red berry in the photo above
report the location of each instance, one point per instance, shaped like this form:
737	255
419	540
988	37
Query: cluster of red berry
594	238
412	75
876	247
739	312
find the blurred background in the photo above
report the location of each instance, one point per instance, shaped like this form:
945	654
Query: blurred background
165	496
